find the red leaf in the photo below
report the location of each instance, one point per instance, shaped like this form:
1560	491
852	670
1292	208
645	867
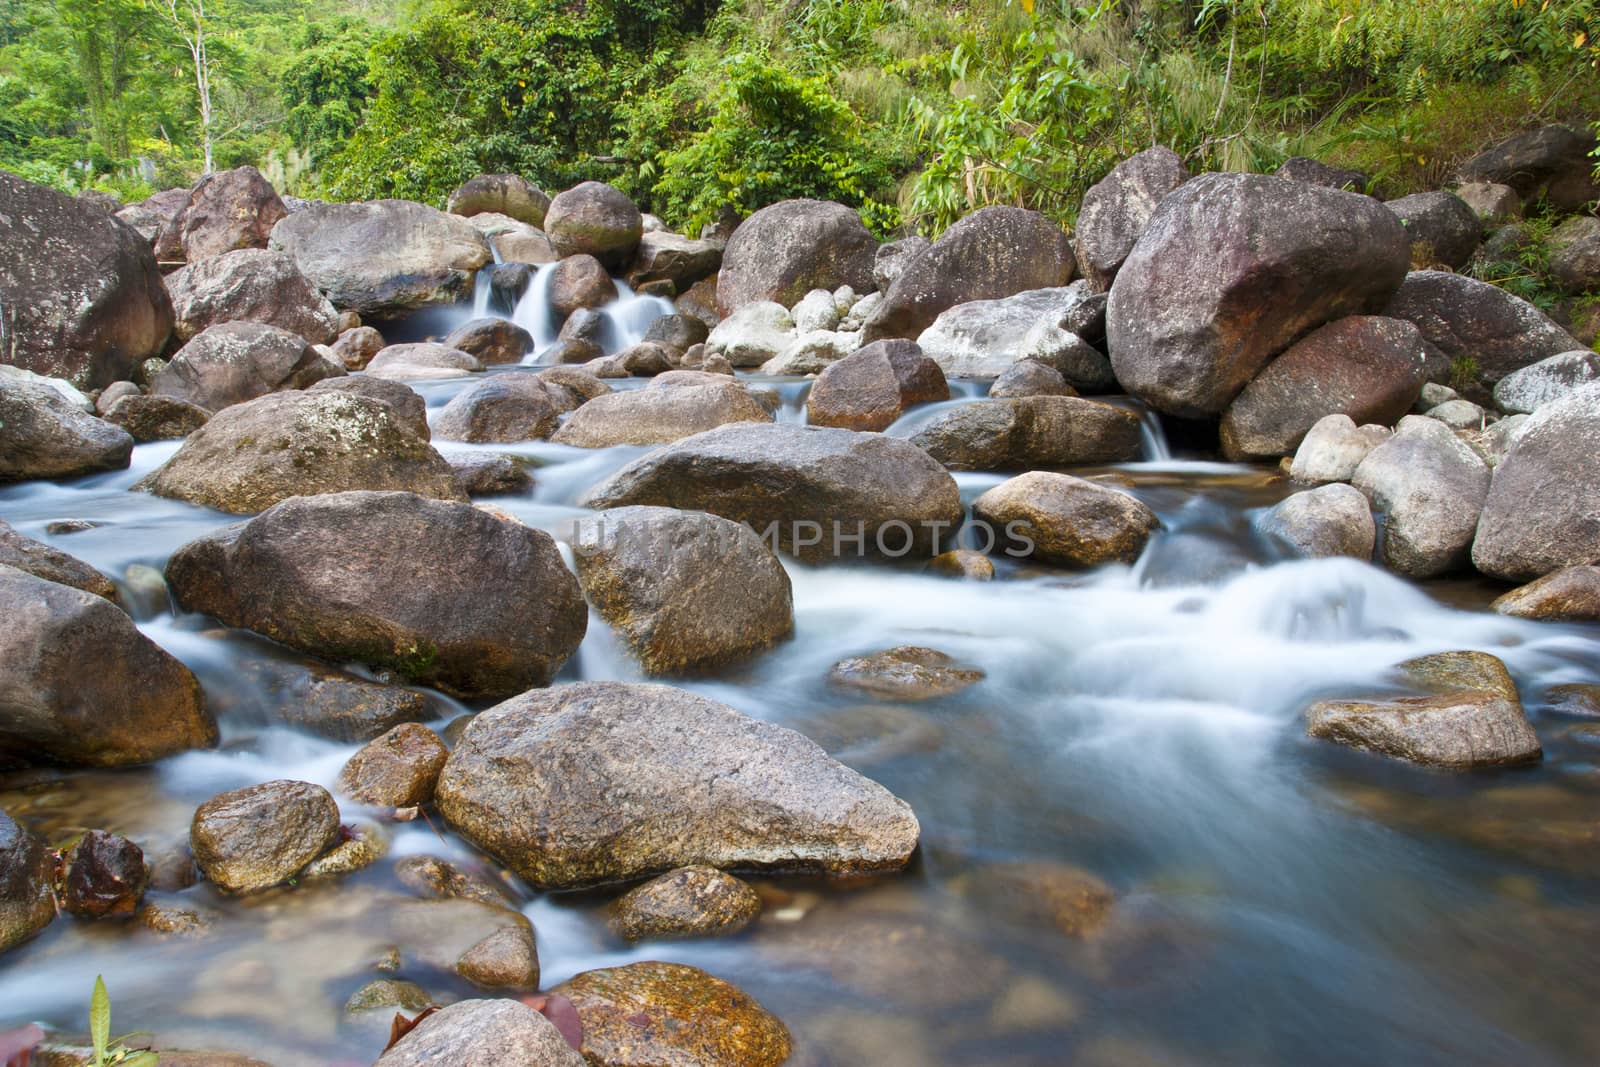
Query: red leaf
562	1013
403	1026
16	1046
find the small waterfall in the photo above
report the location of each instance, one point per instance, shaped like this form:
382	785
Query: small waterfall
533	313
482	291
1153	438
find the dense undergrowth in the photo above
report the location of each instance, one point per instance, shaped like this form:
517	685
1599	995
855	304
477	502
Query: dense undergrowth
916	113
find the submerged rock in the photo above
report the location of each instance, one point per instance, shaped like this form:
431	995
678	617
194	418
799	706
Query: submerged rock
1571	594
1056	518
79	684
604	781
397	770
442	592
1068	899
326	702
489	945
258	837
27	905
42	435
669	1013
483	1033
687	902
687	590
253	455
904	673
884	496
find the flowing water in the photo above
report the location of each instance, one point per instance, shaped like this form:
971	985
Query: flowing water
1279	900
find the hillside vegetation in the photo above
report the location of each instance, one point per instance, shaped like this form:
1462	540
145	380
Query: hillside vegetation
915	113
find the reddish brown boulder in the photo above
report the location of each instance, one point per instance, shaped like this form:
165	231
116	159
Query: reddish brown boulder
873	387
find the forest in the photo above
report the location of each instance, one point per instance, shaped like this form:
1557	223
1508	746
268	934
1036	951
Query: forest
914	113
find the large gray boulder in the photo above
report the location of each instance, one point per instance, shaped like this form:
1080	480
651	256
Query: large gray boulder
787	249
504	408
26	869
1364	366
483	1033
1031	432
813	489
1117	208
253	285
83	297
385	257
501	194
1543	510
1331	520
687	590
994	252
1529	389
596	220
447	595
233	362
1551	163
873	386
1333	449
671	257
655	416
1442	227
1480	330
79	684
984	338
43	435
607	781
1231	270
252	455
226	210
1430	486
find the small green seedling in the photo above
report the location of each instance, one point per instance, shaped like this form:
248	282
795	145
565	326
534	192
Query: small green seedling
109	1052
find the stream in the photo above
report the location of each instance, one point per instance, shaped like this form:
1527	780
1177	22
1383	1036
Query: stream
1279	899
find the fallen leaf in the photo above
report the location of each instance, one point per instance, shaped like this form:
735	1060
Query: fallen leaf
562	1013
403	1026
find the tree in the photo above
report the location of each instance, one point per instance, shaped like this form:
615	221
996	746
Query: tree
188	18
106	38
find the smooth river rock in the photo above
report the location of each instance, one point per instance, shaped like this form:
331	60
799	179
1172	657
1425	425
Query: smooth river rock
1331	520
1568	595
233	362
483	1033
687	902
1430	486
250	285
1067	520
594	219
503	409
600	782
51	564
872	387
1029	432
43	435
254	838
655	416
27	905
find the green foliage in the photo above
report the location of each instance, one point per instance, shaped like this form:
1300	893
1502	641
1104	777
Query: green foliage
109	1051
326	86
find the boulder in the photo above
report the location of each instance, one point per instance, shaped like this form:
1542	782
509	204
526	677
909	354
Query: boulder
785	481
1316	172
993	253
252	455
687	902
151	215
1056	518
384	257
104	875
753	334
646	359
1467	728
483	1033
108	396
406	402
1551	164
1333	449
43	435
659	416
397	770
84	300
503	408
1028	432
1571	594
1430	486
1029	377
445	594
1543	510
983	338
502	194
1443	229
1576	266
686	590
422	361
318	700
789	248
1232	269
233	362
605	781
1527	390
51	564
679	332
80	685
491	341
812	353
1482	331
670	257
27	905
263	835
227	210
816	311
577	381
579	281
1364	366
1331	520
873	386
157	418
671	1013
356	347
908	673
596	220
1459	414
251	285
890	261
491	474
1117	208
699	301
1493	203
